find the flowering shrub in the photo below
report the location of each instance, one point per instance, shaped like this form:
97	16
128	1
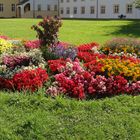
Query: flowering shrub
69	81
128	69
83	72
126	45
88	47
4	46
76	82
10	64
117	85
89	56
30	79
47	31
63	50
6	83
25	80
55	65
13	61
94	66
111	65
34	44
135	88
89	52
4	37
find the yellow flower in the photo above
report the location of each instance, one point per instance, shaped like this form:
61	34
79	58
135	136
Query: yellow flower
117	67
4	46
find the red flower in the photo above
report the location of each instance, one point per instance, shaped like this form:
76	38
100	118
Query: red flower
30	79
87	47
55	65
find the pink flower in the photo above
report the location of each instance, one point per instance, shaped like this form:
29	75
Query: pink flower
34	44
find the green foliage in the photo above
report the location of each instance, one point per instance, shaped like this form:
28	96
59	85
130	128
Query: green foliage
137	3
47	55
47	30
40	118
47	33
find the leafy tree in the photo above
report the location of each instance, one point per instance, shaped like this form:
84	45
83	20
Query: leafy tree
137	3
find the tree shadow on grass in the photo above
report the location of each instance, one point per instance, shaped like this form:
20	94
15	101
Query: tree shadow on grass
132	29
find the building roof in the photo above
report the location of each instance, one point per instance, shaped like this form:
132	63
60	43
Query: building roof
22	2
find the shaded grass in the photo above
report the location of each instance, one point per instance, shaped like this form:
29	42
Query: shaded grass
37	117
75	31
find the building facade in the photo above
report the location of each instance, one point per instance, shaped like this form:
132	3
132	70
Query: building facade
93	9
8	8
37	8
98	9
28	8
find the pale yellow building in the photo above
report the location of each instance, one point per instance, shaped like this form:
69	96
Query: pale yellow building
28	8
8	8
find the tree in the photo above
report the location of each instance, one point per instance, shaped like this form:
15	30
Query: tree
137	3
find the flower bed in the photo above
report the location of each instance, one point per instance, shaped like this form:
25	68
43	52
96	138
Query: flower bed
84	72
89	74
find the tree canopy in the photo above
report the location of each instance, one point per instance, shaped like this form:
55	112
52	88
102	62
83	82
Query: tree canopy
137	3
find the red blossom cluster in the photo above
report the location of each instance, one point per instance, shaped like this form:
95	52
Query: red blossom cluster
71	79
87	47
6	83
25	80
55	65
85	52
135	88
79	83
94	66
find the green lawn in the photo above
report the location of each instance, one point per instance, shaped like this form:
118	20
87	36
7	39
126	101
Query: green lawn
75	31
40	118
35	117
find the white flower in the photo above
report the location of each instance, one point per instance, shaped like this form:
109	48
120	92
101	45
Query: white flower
73	73
69	65
95	49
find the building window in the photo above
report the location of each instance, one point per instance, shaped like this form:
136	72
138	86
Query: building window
48	8
55	7
75	10
67	10
116	9
1	7
129	8
62	11
103	9
92	10
13	7
39	7
82	10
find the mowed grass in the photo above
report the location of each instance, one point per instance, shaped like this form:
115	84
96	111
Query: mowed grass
75	31
40	118
36	117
